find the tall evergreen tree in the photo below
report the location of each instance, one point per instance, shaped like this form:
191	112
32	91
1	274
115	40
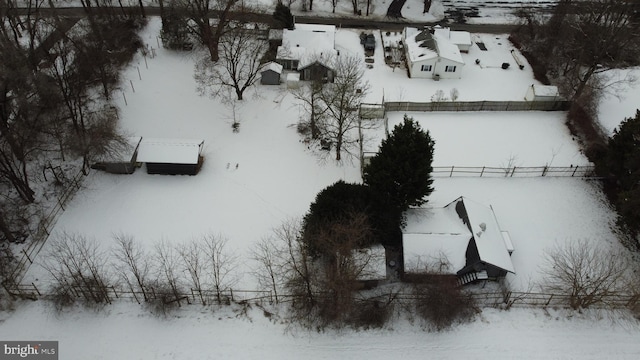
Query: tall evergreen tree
334	204
623	164
400	174
283	17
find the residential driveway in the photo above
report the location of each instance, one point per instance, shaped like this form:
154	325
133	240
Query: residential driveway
395	8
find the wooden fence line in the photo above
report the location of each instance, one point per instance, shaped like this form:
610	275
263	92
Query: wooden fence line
371	110
208	296
555	105
39	237
584	171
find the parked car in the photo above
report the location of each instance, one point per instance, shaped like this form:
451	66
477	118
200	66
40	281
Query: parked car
370	42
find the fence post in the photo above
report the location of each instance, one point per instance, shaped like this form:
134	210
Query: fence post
451	174
115	292
507	296
36	289
549	301
27	255
574	171
231	291
513	171
544	170
482	172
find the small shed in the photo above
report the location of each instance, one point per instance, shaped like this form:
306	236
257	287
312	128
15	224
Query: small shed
270	73
171	156
121	159
293	80
542	93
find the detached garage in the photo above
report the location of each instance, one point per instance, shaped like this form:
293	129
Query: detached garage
171	156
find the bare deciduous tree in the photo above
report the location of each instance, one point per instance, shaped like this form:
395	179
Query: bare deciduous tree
238	68
168	282
334	107
133	265
267	253
200	13
309	97
342	99
454	93
221	264
589	273
78	267
194	262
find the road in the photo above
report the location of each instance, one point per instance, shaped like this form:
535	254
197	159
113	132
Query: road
346	22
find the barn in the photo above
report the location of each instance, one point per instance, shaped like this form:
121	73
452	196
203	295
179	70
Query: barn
171	156
122	159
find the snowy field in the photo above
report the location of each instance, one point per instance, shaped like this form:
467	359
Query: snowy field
254	179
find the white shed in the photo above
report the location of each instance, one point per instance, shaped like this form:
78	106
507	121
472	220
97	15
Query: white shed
542	93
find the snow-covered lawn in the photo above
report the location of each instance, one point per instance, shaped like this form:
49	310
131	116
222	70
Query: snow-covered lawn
495	139
253	180
621	99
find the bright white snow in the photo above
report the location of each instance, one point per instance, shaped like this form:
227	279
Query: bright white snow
253	180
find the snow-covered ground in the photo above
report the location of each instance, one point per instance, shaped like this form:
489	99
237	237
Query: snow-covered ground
124	331
254	179
621	98
532	138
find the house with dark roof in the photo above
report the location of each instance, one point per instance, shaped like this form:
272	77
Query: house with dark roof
310	50
462	238
431	55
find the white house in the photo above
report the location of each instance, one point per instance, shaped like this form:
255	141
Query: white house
431	56
308	47
461	39
463	238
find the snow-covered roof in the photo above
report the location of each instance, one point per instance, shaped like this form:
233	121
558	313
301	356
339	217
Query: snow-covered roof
487	234
448	50
171	151
430	233
426	252
307	41
326	58
272	66
293	77
414	50
455	37
422	45
545	90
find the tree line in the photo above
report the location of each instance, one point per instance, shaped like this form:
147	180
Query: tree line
57	77
574	48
